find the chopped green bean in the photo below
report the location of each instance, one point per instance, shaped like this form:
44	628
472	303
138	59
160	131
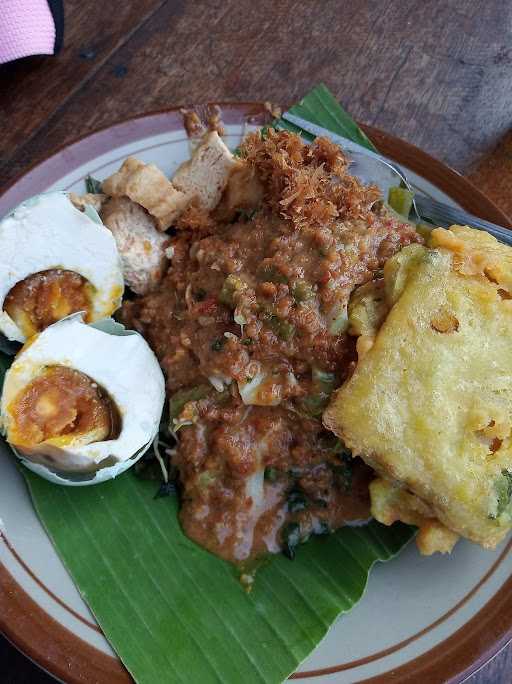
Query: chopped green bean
323	384
302	291
400	200
271	474
230	288
283	329
323	380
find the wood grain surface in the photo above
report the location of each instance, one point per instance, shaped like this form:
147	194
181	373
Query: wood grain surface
437	73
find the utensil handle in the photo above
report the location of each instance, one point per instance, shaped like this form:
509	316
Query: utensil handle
445	215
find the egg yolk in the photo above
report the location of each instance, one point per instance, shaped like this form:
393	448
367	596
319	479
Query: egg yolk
46	297
62	404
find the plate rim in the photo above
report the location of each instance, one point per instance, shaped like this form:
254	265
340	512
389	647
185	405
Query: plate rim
456	658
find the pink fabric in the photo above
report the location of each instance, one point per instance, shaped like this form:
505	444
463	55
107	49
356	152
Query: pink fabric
26	28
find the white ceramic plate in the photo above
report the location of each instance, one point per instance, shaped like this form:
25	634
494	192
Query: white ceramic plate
421	619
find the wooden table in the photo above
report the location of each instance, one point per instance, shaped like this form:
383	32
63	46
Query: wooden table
437	73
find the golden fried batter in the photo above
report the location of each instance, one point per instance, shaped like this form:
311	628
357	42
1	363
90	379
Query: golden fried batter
429	405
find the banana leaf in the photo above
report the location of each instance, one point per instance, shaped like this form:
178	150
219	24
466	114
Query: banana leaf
321	108
175	613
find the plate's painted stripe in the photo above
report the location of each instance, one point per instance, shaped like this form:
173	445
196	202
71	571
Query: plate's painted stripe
43	586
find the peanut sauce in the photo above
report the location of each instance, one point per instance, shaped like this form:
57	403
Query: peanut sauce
249	325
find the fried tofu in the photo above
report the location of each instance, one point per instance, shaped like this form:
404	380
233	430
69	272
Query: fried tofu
140	245
94	200
429	405
146	185
200	181
203	178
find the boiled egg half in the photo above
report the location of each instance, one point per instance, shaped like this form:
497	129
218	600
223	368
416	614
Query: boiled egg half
55	260
81	403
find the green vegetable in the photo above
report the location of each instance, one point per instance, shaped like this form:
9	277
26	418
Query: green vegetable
283	329
321	107
324	381
400	200
503	488
181	397
271	474
290	539
247	341
400	267
425	230
218	344
367	308
302	291
269	273
323	384
230	288
92	185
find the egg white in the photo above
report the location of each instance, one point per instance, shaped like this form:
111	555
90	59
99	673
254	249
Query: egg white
122	363
48	232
